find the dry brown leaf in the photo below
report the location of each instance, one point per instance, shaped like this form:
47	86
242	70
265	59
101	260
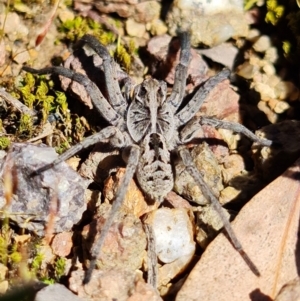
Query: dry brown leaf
268	230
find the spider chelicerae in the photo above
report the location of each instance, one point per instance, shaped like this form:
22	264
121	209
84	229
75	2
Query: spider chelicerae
147	127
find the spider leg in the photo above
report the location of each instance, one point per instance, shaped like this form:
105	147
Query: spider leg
189	111
132	163
115	96
198	177
152	277
178	90
235	127
108	135
101	104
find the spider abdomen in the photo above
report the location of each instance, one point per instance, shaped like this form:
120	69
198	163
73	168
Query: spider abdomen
154	171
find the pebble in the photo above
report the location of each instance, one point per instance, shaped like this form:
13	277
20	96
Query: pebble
113	284
62	244
173	232
174	240
262	44
124	244
56	292
210	22
135	29
60	187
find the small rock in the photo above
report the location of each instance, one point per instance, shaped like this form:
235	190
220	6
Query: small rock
233	166
224	54
14	27
177	201
62	244
59	185
134	201
205	162
173	232
166	52
113	284
3	271
135	29
147	11
281	107
174	243
269	69
253	35
286	90
3	287
246	70
262	44
208	224
263	106
266	92
124	244
271	55
228	194
65	15
158	28
56	292
210	22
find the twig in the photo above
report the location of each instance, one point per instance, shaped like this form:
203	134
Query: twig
16	103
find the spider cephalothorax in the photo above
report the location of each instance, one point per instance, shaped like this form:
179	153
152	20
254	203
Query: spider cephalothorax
149	128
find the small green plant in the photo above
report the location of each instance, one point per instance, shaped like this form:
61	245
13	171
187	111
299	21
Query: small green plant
26	125
63	146
60	266
75	28
275	12
4	142
9	253
123	55
37	93
37	263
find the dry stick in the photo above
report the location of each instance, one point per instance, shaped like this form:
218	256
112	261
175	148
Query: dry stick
16	103
193	171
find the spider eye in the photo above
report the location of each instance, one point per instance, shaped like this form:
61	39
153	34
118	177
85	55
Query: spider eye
142	91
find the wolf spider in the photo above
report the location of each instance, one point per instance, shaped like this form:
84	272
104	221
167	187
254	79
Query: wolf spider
148	127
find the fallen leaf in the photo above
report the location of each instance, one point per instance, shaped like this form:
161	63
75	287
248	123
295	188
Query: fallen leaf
268	230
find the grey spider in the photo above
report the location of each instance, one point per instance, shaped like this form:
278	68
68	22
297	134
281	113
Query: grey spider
148	128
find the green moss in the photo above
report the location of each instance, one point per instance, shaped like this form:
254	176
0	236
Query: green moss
25	125
123	55
274	12
248	4
60	266
62	147
75	28
37	93
286	46
4	142
37	263
9	253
